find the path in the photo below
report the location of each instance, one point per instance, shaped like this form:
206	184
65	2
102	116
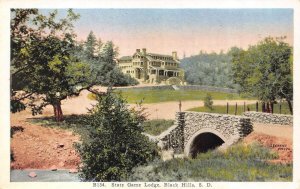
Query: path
162	110
36	147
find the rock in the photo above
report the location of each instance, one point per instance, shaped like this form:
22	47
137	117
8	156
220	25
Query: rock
32	174
73	171
53	168
61	164
60	145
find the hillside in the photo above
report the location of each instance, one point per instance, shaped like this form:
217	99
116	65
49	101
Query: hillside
209	69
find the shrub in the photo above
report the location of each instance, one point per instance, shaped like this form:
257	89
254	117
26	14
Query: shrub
116	144
208	101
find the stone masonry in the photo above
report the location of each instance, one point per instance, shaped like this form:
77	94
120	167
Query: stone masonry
189	125
269	118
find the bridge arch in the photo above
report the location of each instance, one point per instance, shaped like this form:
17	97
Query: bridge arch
211	138
199	131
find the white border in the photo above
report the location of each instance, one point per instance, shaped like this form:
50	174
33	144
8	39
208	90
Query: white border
5	6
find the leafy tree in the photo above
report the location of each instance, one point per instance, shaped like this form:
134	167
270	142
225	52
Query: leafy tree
208	103
42	65
46	67
265	71
116	143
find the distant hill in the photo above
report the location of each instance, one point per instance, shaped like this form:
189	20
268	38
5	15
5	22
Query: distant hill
208	69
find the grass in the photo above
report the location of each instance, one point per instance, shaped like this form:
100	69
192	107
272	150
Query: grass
155	96
240	109
155	127
74	123
238	163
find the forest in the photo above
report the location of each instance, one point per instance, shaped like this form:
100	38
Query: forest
212	69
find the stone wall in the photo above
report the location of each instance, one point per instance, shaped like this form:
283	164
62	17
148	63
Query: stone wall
268	118
231	127
206	88
181	87
188	124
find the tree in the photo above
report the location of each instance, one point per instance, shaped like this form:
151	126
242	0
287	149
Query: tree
90	46
43	66
265	71
116	143
208	103
209	69
46	66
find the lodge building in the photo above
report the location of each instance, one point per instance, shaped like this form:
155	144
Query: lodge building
152	68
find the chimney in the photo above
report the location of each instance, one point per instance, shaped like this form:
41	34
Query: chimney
144	51
138	50
174	54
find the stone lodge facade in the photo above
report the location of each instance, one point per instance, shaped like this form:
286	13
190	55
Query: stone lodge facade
152	68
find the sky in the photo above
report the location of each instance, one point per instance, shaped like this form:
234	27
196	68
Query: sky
187	31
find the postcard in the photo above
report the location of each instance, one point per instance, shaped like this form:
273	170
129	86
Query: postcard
143	94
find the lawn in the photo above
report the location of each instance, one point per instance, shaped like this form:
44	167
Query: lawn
240	109
238	163
155	95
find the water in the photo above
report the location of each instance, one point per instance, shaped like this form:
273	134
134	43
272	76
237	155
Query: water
44	176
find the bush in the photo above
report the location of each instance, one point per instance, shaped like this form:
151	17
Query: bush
208	101
116	144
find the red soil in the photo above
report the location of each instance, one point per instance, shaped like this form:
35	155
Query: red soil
38	147
282	146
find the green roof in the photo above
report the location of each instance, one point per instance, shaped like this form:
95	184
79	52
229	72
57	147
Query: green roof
126	58
162	55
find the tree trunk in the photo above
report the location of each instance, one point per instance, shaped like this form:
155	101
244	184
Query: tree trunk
268	107
290	106
58	112
272	107
256	107
263	107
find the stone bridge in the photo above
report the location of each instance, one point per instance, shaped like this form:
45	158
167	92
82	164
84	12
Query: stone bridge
196	132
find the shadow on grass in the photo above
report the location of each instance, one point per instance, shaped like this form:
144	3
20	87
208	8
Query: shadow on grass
75	123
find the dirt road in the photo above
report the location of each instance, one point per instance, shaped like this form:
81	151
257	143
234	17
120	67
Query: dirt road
163	110
39	147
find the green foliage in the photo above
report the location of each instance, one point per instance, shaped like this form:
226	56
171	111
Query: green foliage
116	143
16	106
265	70
238	163
156	126
174	81
90	46
240	109
49	65
101	59
208	102
210	69
41	56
